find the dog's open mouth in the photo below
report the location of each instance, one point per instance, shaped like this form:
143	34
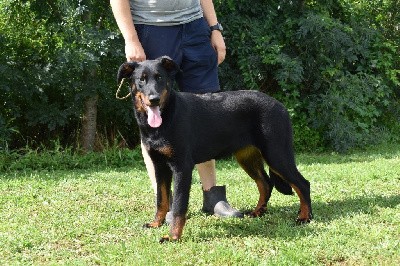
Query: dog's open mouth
153	114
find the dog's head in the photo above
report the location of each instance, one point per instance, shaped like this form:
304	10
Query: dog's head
151	82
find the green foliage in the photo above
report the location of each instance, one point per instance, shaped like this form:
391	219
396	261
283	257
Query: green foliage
337	73
334	64
352	89
59	158
65	52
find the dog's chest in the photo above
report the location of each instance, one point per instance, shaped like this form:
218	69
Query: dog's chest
160	145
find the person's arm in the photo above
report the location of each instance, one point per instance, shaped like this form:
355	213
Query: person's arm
133	48
217	41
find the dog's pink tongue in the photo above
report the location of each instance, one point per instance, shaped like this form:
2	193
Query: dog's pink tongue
153	116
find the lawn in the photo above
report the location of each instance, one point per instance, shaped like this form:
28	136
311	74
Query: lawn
95	215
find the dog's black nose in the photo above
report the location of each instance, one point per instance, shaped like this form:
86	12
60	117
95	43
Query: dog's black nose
154	99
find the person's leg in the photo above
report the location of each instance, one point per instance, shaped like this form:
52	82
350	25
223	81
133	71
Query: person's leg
149	167
207	174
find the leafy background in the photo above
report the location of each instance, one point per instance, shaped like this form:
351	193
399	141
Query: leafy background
335	64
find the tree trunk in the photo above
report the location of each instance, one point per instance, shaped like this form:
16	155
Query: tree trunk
89	123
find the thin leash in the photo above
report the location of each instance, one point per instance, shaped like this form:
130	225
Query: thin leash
119	91
126	96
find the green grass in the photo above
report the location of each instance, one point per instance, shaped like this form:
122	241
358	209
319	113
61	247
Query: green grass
95	215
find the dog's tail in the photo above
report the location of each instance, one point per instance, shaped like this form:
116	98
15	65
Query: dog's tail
281	185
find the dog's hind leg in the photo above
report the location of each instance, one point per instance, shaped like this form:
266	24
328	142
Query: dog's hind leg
281	185
164	179
252	162
283	165
279	155
302	188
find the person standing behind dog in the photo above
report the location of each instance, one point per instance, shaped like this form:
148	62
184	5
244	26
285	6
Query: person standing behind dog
187	31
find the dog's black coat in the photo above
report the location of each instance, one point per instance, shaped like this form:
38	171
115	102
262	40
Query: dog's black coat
196	128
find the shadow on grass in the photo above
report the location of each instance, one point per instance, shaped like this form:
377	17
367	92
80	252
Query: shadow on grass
279	222
337	209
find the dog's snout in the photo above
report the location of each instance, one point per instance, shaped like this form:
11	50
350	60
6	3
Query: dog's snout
154	99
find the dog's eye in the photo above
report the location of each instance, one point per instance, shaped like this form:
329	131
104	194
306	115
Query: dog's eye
158	77
142	80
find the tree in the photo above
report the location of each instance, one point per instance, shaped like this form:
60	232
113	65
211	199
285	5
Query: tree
64	61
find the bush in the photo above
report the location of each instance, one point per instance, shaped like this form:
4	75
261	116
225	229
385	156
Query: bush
60	158
338	75
334	64
64	53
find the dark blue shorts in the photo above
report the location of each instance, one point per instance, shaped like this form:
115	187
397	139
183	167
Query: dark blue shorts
190	47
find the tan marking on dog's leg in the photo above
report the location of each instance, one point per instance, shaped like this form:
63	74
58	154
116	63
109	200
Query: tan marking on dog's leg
176	229
251	160
162	209
305	212
261	207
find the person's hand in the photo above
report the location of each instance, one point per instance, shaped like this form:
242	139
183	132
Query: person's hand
217	41
134	52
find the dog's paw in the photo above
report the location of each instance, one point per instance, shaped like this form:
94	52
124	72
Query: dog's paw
166	239
154	224
304	217
257	212
304	220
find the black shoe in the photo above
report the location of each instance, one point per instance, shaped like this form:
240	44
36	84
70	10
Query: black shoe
215	202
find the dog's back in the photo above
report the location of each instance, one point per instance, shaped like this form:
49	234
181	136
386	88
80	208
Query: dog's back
247	117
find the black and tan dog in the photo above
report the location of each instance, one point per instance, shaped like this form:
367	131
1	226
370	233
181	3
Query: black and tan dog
180	130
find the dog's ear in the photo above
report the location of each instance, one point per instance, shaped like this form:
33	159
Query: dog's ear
126	70
168	64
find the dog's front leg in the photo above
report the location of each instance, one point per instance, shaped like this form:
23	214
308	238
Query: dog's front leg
163	177
182	183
